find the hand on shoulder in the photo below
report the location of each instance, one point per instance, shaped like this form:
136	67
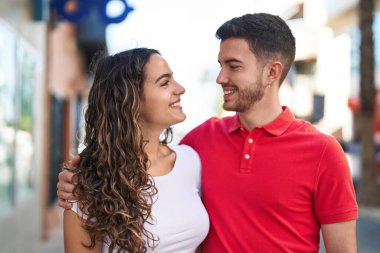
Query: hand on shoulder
65	183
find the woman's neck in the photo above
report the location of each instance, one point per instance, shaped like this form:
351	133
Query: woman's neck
153	147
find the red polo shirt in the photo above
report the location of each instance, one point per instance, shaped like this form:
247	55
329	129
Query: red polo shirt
269	190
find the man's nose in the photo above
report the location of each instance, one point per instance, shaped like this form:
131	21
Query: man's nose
221	78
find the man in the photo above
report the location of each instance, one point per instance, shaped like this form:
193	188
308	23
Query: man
269	182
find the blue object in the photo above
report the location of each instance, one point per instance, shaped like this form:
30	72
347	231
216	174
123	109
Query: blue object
84	7
81	11
108	20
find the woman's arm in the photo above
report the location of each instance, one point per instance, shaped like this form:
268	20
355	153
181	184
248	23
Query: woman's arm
75	235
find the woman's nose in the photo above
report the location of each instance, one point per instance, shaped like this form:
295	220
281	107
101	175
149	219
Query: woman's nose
179	89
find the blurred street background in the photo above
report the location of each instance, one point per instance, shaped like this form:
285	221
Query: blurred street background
46	47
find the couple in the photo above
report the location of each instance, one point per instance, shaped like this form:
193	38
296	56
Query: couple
270	182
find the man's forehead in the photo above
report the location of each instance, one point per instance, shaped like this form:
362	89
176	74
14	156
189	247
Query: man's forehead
233	51
234	46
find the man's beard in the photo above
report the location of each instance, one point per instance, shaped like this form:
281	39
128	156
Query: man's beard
246	98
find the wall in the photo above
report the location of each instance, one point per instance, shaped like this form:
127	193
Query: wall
24	218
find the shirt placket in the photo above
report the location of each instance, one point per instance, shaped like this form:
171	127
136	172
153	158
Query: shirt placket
247	155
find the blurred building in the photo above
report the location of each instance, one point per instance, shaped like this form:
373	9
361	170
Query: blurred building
323	85
45	50
325	76
23	125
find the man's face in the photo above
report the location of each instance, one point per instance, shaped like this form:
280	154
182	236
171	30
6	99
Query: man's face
240	75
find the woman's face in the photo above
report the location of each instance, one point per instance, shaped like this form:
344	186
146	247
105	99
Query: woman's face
160	101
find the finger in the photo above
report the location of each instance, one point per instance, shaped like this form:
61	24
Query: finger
69	166
65	196
66	176
65	187
75	161
69	176
64	204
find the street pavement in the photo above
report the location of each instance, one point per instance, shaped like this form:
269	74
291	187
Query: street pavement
368	235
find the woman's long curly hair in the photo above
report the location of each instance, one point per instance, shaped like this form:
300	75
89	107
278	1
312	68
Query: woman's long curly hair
114	191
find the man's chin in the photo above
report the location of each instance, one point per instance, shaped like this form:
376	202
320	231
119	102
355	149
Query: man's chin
228	107
234	108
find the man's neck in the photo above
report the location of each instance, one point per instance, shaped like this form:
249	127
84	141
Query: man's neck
260	114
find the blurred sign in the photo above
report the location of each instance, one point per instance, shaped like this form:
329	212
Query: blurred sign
75	10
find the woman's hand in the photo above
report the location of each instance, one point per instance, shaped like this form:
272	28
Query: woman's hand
65	183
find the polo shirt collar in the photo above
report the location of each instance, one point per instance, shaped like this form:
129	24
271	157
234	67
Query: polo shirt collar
234	124
276	127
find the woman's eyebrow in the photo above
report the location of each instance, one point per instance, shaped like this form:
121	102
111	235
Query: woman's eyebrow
163	76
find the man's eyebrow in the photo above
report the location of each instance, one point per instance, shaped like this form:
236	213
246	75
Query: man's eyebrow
232	60
168	75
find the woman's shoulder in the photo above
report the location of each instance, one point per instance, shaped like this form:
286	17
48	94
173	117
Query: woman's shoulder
188	162
184	150
186	156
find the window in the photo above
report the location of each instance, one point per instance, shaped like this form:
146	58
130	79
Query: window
17	80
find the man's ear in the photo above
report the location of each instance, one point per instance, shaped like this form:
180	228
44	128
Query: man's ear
273	72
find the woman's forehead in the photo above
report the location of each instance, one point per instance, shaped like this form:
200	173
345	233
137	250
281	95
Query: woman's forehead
156	66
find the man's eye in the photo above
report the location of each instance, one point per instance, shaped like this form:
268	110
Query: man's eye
166	83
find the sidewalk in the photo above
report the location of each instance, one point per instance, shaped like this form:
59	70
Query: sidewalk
55	243
368	230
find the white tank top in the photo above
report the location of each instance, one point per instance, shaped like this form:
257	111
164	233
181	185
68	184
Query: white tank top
179	220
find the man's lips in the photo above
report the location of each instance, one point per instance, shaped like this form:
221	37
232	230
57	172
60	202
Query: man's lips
228	91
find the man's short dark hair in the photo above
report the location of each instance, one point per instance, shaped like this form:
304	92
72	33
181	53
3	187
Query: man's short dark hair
268	36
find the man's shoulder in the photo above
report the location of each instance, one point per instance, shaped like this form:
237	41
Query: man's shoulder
308	130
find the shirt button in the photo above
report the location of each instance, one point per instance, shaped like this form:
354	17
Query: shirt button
250	140
241	129
247	156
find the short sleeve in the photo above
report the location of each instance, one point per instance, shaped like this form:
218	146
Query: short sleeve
334	194
75	208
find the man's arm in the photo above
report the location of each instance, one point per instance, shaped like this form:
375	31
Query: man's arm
65	184
199	248
75	235
340	237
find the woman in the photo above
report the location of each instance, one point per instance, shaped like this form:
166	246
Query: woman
134	192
